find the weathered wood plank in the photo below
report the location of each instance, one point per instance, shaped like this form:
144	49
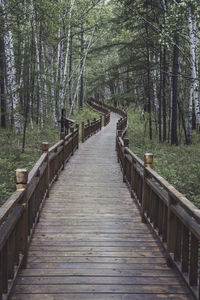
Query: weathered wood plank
98	272
80	265
99	296
105	288
99	280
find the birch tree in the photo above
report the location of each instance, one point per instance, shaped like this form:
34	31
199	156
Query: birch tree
194	82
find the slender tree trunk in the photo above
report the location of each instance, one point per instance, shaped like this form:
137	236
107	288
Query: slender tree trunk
82	68
70	66
194	83
182	115
174	136
164	95
160	97
26	93
155	96
148	91
2	72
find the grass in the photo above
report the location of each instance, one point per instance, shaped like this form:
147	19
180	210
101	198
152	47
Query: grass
179	165
12	158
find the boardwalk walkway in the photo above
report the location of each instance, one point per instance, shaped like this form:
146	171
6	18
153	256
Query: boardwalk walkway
90	242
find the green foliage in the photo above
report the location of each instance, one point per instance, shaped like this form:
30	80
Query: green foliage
178	165
10	162
12	158
82	115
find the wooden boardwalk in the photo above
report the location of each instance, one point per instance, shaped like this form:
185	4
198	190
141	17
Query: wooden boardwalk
90	242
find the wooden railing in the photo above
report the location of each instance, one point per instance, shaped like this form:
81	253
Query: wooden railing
20	213
97	106
116	110
172	217
90	128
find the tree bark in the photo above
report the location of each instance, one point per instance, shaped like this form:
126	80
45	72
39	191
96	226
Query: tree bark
2	72
70	66
174	136
82	69
164	95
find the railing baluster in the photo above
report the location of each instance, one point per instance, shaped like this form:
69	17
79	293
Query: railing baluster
148	163
5	267
177	250
83	132
1	275
185	250
193	272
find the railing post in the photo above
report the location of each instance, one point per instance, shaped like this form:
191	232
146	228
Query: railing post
77	128
104	120
89	128
72	132
148	164
126	144
170	227
95	129
63	114
21	180
62	137
45	149
83	132
118	135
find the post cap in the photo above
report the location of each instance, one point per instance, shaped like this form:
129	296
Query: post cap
45	147
148	160
126	142
21	179
62	135
119	133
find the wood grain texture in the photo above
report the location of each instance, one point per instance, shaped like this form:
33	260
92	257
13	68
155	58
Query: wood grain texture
90	242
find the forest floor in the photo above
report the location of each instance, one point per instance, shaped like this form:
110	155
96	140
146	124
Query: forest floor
179	165
11	156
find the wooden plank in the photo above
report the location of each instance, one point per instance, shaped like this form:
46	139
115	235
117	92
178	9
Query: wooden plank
86	243
104	296
99	280
90	265
104	254
98	272
104	288
93	249
105	262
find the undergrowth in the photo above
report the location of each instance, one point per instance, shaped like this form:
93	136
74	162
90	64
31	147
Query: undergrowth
179	165
11	156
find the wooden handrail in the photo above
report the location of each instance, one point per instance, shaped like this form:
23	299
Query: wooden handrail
100	108
172	217
20	213
90	128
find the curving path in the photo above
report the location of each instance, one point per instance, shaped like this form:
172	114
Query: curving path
90	242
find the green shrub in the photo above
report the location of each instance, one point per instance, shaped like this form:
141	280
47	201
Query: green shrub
11	156
179	165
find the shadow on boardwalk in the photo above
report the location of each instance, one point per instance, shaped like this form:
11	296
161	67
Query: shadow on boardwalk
90	242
